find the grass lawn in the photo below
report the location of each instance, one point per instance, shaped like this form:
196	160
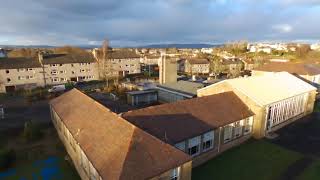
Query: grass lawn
317	107
312	172
51	168
252	160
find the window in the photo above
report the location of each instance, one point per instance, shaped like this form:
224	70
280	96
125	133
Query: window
29	77
54	72
72	65
82	70
29	69
72	72
248	125
194	146
238	128
21	70
227	136
8	79
208	141
7	71
55	79
53	65
175	173
181	146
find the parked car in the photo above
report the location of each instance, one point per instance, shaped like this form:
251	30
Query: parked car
57	88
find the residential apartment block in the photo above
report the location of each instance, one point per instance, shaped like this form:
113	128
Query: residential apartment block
195	66
50	69
118	62
276	99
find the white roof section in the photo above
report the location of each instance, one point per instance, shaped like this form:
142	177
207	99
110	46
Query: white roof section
271	88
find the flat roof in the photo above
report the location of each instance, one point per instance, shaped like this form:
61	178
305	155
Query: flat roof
141	92
178	121
116	148
187	87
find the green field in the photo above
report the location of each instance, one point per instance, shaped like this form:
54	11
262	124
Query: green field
252	160
312	172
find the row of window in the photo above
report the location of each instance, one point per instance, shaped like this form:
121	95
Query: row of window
21	70
205	142
72	65
55	72
194	147
235	130
25	77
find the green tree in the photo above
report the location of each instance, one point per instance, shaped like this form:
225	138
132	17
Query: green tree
216	67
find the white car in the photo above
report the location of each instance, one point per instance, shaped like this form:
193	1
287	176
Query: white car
57	88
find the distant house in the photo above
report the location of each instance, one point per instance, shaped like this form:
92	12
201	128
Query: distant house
104	146
277	99
195	66
232	64
308	72
175	91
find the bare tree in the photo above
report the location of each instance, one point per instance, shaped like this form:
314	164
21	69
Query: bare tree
216	66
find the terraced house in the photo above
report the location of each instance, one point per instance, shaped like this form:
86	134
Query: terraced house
160	142
50	69
20	73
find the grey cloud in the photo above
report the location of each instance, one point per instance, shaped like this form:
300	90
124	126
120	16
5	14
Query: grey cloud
129	22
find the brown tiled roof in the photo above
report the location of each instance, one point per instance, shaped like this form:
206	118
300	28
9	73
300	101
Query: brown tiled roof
198	61
118	54
116	148
68	58
293	68
181	120
231	61
16	63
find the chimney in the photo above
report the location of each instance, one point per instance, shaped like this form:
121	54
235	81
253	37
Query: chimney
167	70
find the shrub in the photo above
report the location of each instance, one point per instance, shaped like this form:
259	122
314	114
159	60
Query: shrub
31	131
7	157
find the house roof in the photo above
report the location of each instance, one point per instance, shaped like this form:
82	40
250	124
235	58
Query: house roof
198	61
122	54
231	61
16	63
178	121
116	148
270	88
293	68
68	58
184	87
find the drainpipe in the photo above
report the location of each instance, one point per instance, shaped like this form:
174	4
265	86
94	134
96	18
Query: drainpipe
219	139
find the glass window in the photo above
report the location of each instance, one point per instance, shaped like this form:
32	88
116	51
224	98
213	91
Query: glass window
208	141
227	136
181	146
238	128
194	146
248	125
175	173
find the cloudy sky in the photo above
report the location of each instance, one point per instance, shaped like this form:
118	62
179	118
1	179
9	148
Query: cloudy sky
140	22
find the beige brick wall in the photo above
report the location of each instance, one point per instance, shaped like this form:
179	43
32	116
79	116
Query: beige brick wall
185	173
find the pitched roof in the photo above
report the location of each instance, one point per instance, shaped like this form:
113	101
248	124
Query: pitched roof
68	58
231	61
181	120
16	63
116	148
271	88
122	54
198	61
186	87
293	68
